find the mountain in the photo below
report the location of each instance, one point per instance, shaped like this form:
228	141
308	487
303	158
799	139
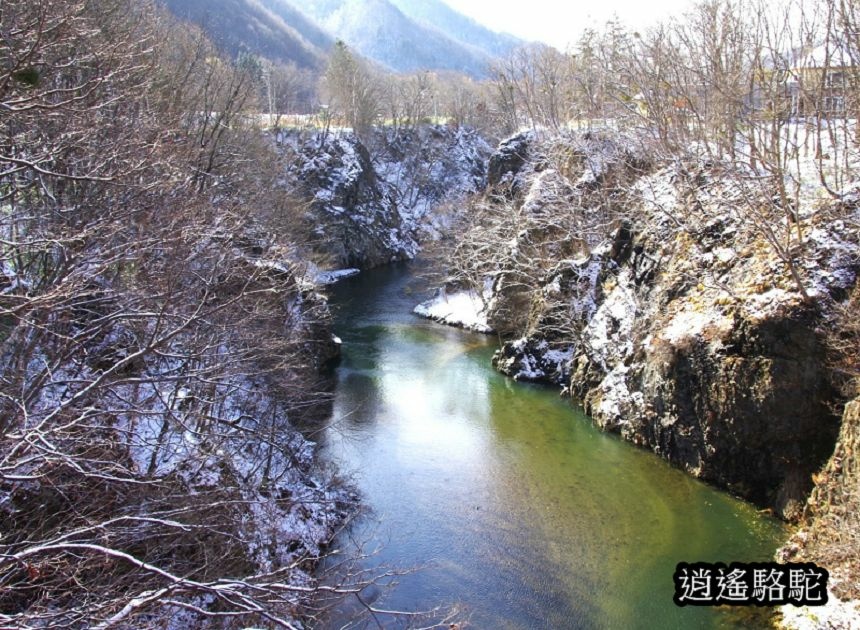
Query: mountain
305	26
270	28
383	32
438	15
403	35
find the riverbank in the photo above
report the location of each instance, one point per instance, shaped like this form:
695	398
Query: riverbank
510	504
652	296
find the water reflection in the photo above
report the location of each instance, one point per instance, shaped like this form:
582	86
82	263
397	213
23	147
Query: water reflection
510	502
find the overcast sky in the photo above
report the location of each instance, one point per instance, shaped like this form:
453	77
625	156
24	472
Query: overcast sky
559	22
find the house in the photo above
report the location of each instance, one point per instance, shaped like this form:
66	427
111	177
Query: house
807	82
821	81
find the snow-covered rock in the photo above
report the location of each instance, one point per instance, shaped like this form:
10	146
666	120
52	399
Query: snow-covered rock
331	277
372	204
463	308
431	169
509	159
835	615
530	359
351	212
679	324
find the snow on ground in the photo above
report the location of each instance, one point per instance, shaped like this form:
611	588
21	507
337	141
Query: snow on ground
11	278
460	308
275	533
832	254
199	434
835	615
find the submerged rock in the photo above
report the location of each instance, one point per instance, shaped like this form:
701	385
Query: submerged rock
532	359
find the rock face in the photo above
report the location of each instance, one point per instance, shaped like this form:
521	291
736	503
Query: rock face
430	166
682	331
367	210
744	405
509	158
829	537
353	212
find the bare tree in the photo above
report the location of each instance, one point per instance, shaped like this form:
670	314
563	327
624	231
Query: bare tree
530	85
156	340
353	89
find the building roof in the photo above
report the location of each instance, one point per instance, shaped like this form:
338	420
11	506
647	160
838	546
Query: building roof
831	55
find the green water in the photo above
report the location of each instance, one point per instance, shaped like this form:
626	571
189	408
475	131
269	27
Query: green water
504	497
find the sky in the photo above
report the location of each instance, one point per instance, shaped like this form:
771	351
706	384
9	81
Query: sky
559	22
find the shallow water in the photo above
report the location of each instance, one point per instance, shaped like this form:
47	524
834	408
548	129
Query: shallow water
503	496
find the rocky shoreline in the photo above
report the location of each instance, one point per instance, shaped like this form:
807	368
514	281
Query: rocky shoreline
682	337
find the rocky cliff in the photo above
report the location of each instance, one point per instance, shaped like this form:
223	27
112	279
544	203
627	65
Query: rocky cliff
351	212
370	202
662	307
829	537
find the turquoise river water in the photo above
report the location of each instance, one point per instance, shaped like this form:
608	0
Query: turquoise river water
502	500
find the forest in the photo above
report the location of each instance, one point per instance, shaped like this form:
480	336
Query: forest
171	211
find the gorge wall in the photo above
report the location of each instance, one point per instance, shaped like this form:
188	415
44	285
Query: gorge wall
661	306
369	201
829	535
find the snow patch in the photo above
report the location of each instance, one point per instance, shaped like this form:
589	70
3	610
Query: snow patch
609	332
465	309
835	615
686	324
331	277
616	399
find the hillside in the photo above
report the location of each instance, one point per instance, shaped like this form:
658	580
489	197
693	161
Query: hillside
436	14
270	28
402	35
381	31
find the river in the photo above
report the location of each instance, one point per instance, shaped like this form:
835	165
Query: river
504	499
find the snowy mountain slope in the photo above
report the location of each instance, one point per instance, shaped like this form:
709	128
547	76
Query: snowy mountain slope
291	13
403	35
437	14
270	28
381	31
